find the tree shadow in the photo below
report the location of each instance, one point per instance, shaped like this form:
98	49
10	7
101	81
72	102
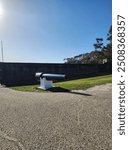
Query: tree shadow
60	89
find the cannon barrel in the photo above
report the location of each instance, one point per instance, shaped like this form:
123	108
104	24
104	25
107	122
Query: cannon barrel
54	76
49	76
38	74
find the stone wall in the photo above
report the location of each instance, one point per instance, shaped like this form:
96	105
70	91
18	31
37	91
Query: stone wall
24	73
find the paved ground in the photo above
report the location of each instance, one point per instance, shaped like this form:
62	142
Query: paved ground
56	121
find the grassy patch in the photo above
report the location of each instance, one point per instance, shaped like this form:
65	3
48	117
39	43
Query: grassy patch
85	83
80	84
28	88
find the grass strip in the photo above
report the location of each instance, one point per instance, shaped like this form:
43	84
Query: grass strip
80	84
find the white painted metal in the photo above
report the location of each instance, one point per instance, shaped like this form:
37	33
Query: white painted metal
45	84
38	74
46	79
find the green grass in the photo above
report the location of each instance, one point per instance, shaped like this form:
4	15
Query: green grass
28	88
80	84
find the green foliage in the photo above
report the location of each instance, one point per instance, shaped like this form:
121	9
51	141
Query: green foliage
102	52
99	44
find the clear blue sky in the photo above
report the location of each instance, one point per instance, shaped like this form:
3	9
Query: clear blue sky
51	30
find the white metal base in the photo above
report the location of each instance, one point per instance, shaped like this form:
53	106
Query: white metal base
45	84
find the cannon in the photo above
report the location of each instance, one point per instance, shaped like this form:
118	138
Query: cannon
46	80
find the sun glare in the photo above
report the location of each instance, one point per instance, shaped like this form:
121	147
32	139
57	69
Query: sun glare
1	9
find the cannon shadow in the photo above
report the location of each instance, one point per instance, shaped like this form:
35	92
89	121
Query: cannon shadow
60	89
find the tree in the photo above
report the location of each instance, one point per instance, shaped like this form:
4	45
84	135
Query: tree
97	56
109	38
99	44
107	50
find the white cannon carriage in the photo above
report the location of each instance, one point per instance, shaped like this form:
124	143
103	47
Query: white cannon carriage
46	80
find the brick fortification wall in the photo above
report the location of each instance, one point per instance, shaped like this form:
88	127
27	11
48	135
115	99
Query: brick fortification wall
24	73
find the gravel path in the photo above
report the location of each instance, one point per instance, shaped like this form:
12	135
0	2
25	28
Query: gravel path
80	120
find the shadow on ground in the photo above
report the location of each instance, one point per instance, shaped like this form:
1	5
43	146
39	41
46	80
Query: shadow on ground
59	89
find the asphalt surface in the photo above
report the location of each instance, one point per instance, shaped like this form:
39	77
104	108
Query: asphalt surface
81	120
